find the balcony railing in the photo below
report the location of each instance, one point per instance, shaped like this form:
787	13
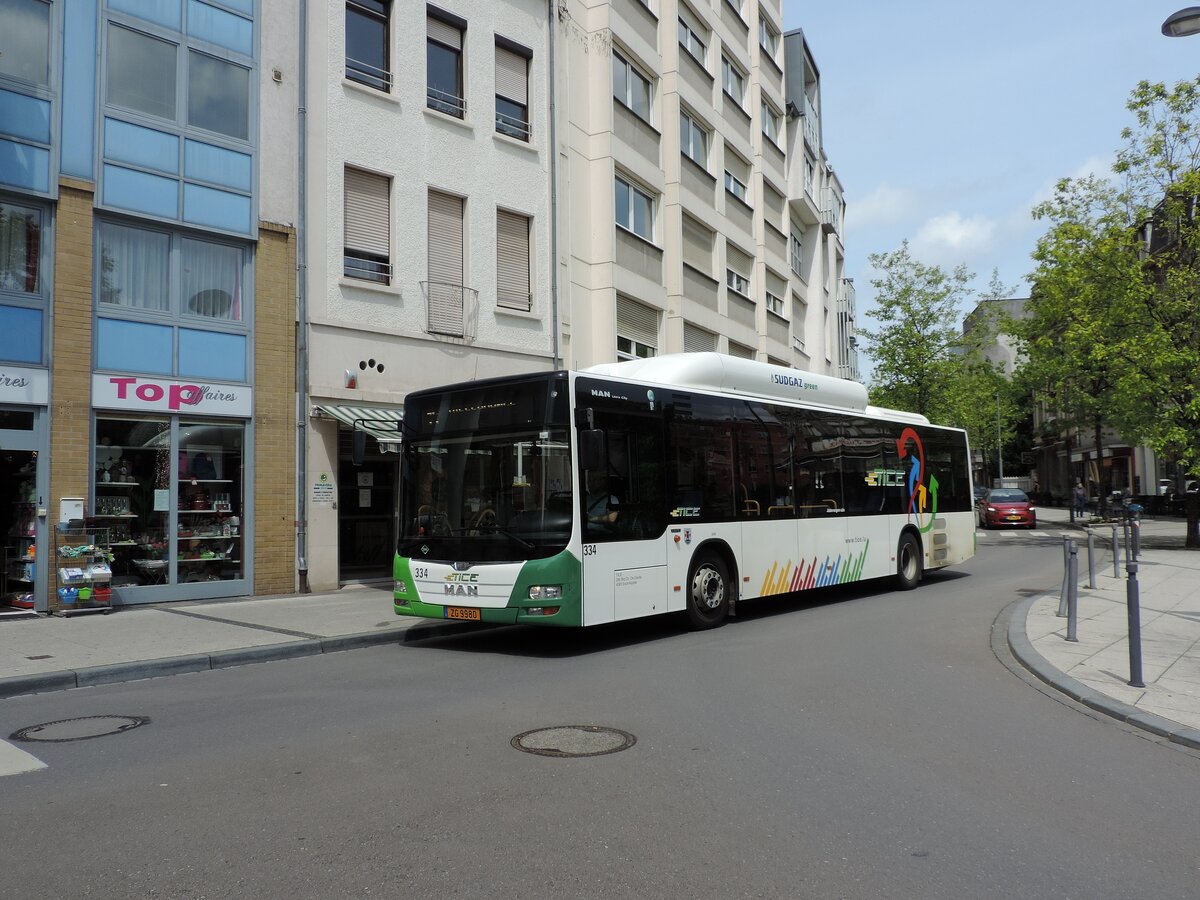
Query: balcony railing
812	125
371	76
513	127
450	309
443	102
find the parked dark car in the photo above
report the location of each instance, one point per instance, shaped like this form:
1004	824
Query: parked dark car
1000	507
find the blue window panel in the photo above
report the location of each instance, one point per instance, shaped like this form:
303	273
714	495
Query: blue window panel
24	166
205	162
164	12
133	346
211	354
246	6
151	194
141	146
25	117
219	27
216	209
21	334
79	89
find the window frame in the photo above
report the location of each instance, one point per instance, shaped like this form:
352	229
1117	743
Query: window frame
737	282
774	304
730	68
770	116
49	56
384	270
652	216
384	78
689	125
768	38
796	254
687	36
627	101
517	127
458	108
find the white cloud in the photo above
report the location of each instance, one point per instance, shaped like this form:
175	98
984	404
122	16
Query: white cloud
885	205
950	239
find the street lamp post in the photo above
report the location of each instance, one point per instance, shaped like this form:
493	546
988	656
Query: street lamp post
1183	23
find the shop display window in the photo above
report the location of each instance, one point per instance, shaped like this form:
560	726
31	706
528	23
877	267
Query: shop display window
209	537
133	497
172	498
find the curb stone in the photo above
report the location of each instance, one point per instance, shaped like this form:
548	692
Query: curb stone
116	673
1022	650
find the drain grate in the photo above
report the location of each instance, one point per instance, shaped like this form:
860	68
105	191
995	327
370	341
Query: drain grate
78	729
574	740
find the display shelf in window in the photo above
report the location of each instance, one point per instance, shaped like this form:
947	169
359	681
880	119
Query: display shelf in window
82	574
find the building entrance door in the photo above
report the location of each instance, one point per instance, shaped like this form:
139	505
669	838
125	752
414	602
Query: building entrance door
366	511
22	517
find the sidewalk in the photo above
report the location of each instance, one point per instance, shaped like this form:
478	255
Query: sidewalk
49	653
1095	671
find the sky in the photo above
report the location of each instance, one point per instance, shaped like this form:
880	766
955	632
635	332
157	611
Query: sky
946	122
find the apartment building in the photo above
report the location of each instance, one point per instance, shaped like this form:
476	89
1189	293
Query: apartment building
146	295
428	224
702	214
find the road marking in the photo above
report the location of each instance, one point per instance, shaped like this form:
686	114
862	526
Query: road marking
14	761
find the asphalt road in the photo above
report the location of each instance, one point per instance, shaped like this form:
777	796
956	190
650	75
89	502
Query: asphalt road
869	744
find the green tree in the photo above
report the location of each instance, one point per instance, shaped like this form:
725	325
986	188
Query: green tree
916	348
1086	265
1160	340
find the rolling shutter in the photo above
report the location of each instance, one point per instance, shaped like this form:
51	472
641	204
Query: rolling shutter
445	291
739	261
512	260
697	245
367	217
697	340
512	76
444	33
637	322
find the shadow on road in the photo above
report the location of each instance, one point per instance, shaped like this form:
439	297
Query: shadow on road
556	643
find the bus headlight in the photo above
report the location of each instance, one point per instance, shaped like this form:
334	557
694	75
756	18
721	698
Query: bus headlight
545	592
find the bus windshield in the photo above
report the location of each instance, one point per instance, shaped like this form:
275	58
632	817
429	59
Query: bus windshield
487	473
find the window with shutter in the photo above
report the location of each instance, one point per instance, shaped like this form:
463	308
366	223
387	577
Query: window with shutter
512	261
697	340
443	64
740	351
445	292
367	240
367	43
512	94
637	330
697	245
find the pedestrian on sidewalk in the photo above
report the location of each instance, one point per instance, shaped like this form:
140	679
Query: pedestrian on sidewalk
1079	498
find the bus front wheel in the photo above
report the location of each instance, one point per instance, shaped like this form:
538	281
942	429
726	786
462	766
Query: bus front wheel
908	562
708	592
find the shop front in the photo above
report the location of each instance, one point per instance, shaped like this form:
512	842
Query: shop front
23	489
172	482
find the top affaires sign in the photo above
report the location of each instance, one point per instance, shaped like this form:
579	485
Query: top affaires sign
134	392
21	385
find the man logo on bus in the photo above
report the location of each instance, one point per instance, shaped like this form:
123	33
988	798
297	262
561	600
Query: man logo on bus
918	495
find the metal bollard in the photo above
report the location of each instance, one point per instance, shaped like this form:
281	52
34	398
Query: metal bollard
1062	593
1073	594
1136	526
1135	627
1128	545
1091	560
1116	548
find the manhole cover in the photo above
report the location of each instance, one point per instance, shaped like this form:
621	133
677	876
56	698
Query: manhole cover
78	729
574	740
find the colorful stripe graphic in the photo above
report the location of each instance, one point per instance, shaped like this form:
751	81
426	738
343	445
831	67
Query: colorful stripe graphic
784	579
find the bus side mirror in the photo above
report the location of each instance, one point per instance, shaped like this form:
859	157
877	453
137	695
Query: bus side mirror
591	448
359	449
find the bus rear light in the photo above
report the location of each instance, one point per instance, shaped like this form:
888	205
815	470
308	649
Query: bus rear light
542	610
545	592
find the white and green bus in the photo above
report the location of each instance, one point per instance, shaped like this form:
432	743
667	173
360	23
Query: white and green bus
682	483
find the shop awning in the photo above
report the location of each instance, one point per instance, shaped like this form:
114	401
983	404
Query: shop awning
379	422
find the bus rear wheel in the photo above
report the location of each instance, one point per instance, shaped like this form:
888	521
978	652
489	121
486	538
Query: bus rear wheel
908	562
708	592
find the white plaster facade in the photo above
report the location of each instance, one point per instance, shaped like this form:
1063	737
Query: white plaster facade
393	133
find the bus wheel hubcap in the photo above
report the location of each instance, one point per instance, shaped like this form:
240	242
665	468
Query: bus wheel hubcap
708	588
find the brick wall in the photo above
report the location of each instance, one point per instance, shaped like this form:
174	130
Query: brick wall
275	410
71	350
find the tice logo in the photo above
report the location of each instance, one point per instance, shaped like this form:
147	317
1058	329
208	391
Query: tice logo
461	584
